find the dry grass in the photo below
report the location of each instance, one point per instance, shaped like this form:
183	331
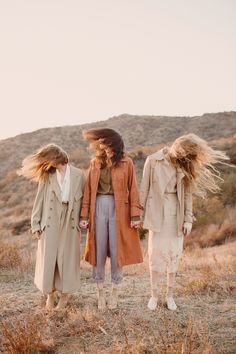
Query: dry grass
24	335
9	255
204	294
210	272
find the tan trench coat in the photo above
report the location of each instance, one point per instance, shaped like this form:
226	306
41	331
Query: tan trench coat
156	175
126	205
46	215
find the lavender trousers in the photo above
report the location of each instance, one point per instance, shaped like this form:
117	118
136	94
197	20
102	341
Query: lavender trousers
105	239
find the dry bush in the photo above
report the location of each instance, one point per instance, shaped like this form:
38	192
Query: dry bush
20	226
212	235
210	273
80	157
9	255
228	194
24	335
170	337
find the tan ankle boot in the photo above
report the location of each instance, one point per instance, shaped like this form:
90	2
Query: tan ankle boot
113	301
101	297
50	301
63	301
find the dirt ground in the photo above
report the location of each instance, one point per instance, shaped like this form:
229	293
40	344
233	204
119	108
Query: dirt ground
205	321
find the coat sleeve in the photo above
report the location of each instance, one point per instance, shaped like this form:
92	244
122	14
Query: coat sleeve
188	205
84	214
133	192
145	183
37	209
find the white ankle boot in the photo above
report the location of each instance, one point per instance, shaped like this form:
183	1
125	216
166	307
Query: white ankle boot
170	302
152	303
101	297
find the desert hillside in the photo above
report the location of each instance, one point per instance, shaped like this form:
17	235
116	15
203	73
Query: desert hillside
142	135
136	131
206	282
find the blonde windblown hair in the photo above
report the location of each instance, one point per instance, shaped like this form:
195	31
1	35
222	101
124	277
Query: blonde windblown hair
197	161
41	164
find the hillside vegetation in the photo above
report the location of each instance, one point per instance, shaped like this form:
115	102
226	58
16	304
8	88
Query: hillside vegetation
206	280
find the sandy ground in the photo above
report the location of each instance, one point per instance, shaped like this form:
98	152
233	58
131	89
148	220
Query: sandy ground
205	321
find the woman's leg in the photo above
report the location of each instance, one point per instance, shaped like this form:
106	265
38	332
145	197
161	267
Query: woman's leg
157	267
101	239
169	291
62	301
116	270
157	280
50	301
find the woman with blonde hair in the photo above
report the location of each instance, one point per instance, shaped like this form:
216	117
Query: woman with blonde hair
111	210
170	177
54	221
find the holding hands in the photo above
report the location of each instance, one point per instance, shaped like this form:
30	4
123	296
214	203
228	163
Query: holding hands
83	224
136	224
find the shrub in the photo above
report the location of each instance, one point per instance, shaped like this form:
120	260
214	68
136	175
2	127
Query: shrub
9	256
228	195
24	335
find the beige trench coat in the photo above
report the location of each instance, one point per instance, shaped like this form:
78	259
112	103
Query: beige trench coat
156	175
46	216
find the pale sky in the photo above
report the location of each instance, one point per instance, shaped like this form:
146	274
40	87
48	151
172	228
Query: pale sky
66	62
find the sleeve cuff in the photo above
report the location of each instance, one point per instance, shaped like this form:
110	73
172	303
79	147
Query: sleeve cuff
135	218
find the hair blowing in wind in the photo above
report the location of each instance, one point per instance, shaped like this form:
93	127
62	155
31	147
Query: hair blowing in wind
41	164
198	162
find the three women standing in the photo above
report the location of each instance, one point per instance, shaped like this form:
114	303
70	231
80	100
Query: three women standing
170	177
111	210
54	221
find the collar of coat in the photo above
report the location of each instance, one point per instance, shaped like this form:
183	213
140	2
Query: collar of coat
97	164
166	171
74	183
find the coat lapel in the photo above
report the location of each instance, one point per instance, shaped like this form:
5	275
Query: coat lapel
180	176
55	186
164	172
74	183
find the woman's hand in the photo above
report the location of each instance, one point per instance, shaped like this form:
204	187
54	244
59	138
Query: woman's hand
136	224
83	224
37	235
187	228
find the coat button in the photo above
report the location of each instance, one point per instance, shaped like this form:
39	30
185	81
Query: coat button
51	200
72	218
48	225
50	208
73	227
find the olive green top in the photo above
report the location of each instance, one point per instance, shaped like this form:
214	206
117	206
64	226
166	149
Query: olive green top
105	186
105	181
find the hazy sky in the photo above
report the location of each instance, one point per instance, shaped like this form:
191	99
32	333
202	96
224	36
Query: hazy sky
74	61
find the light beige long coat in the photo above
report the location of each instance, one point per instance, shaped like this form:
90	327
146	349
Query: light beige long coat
156	175
46	216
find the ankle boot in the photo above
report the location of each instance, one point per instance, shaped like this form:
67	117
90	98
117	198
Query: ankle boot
153	301
101	297
62	301
170	303
113	300
50	301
